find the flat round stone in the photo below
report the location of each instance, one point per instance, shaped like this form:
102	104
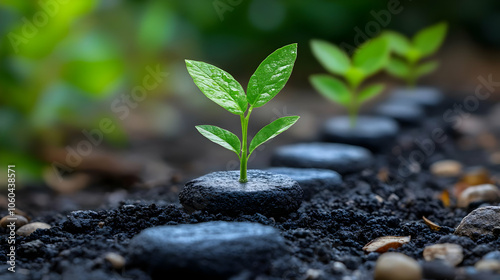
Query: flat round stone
215	249
221	192
406	113
342	158
374	133
311	180
426	96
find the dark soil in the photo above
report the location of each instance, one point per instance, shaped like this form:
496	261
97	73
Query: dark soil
332	227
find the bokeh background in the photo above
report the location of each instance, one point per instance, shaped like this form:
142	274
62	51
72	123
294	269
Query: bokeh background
65	66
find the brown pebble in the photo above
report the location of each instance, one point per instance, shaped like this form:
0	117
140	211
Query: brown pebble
448	252
22	213
446	168
28	229
485	192
116	260
488	265
397	266
101	224
18	220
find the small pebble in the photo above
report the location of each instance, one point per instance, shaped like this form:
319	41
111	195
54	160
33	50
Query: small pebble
266	193
216	250
446	168
116	260
17	219
312	181
313	274
448	252
372	132
488	265
28	229
486	192
482	221
424	96
342	158
397	266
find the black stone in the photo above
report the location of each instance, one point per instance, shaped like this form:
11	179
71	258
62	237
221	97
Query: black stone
405	113
213	249
374	133
311	180
342	158
221	192
426	96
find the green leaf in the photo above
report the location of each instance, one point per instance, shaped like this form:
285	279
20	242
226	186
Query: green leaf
398	43
271	130
330	56
219	86
398	68
426	68
331	88
271	75
372	56
428	40
221	136
370	91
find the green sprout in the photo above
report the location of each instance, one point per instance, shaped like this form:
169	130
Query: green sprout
406	65
265	83
367	60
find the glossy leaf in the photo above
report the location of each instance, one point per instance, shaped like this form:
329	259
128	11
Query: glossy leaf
271	75
428	40
426	68
330	57
398	43
372	56
369	92
218	85
398	68
272	130
333	89
221	136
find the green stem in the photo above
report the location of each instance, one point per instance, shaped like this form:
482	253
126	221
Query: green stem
353	107
411	80
244	149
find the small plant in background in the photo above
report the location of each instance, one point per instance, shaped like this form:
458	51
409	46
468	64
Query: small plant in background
371	57
407	63
265	83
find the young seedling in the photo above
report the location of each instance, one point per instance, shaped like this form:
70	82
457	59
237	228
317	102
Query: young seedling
371	57
265	83
407	63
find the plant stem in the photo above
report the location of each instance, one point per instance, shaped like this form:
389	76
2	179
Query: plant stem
353	108
411	80
244	149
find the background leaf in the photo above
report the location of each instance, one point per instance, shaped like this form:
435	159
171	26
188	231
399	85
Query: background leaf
398	68
370	92
220	136
272	130
333	89
428	40
218	85
372	56
398	43
426	68
271	75
330	57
